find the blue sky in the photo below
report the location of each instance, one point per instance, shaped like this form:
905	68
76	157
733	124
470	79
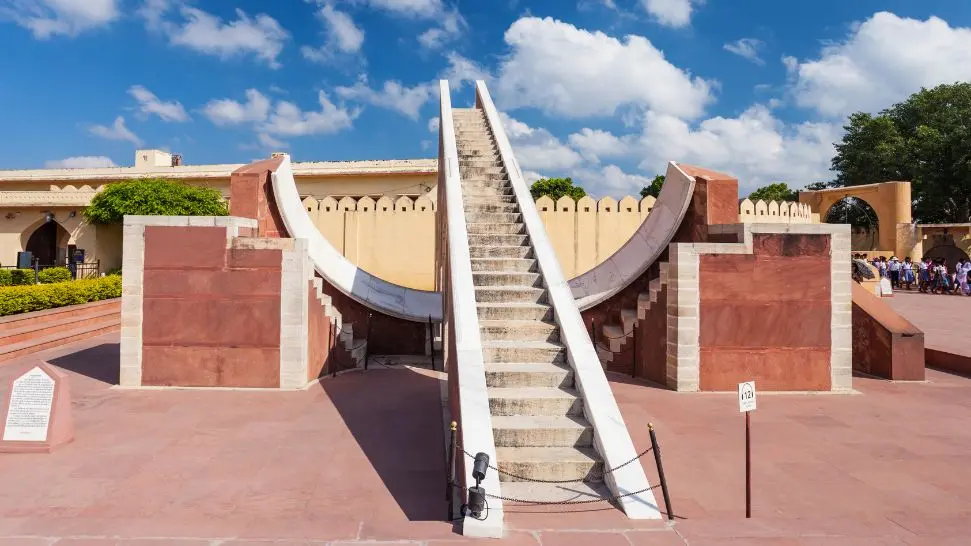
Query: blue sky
606	91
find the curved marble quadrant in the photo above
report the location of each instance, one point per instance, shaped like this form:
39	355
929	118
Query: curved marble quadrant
359	285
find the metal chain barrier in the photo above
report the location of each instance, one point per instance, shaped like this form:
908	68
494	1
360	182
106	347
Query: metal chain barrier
581	480
571	501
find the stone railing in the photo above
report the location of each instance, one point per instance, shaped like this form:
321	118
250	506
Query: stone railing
775	212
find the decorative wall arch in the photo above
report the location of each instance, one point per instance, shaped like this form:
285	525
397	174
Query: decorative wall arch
891	201
47	240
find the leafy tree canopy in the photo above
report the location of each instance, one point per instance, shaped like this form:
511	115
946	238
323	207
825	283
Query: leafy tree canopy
655	188
927	140
774	192
153	197
555	188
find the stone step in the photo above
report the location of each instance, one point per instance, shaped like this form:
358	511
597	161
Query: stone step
628	318
475	153
519	374
510	294
493	217
490	182
515	228
500	252
519	330
550	492
59	337
470	170
534	401
504	278
504	264
480	192
493	239
488	199
514	311
541	431
472	206
549	463
543	352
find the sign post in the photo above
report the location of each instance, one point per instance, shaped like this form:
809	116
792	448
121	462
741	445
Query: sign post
746	405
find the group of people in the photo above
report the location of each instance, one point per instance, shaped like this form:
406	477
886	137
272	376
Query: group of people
928	275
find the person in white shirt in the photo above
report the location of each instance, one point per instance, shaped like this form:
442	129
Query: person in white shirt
893	266
962	270
907	272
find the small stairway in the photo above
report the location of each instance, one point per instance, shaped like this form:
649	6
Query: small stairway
614	345
356	349
537	415
30	333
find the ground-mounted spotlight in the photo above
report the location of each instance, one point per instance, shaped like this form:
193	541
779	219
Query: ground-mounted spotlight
477	494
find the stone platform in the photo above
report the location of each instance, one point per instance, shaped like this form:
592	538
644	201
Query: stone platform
360	459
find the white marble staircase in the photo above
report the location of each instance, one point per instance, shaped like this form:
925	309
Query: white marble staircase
539	428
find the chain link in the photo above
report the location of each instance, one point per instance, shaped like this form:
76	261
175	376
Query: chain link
581	480
603	335
570	501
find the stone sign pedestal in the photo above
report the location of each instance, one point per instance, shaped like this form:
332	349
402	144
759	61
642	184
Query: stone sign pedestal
35	410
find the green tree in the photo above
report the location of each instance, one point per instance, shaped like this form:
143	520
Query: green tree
774	192
925	139
655	188
153	197
555	188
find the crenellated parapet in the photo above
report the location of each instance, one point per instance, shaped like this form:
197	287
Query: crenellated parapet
775	212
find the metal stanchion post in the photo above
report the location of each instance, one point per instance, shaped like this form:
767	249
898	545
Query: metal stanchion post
593	331
450	473
633	362
660	471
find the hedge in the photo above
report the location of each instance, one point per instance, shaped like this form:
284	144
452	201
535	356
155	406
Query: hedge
24	299
54	274
16	277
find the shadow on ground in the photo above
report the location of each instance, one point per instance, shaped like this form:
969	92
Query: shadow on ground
100	362
395	415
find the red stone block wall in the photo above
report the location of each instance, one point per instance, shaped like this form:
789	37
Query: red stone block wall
652	341
211	315
251	196
766	316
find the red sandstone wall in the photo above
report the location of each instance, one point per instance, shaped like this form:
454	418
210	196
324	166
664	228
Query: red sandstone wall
251	196
389	335
766	316
885	344
652	341
211	314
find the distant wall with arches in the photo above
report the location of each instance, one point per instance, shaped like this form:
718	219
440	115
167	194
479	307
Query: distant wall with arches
890	201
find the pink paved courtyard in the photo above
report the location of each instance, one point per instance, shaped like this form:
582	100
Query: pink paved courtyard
360	458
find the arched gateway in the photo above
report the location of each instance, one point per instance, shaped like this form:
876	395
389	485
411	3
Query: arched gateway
890	200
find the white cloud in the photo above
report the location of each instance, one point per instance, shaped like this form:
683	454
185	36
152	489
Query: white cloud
149	104
261	36
595	144
610	180
538	149
230	112
47	18
412	8
268	141
747	48
672	13
572	72
288	119
80	162
882	61
452	26
755	147
153	11
282	119
117	131
433	124
342	35
461	70
392	95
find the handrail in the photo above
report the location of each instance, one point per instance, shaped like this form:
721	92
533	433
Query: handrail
611	437
459	291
